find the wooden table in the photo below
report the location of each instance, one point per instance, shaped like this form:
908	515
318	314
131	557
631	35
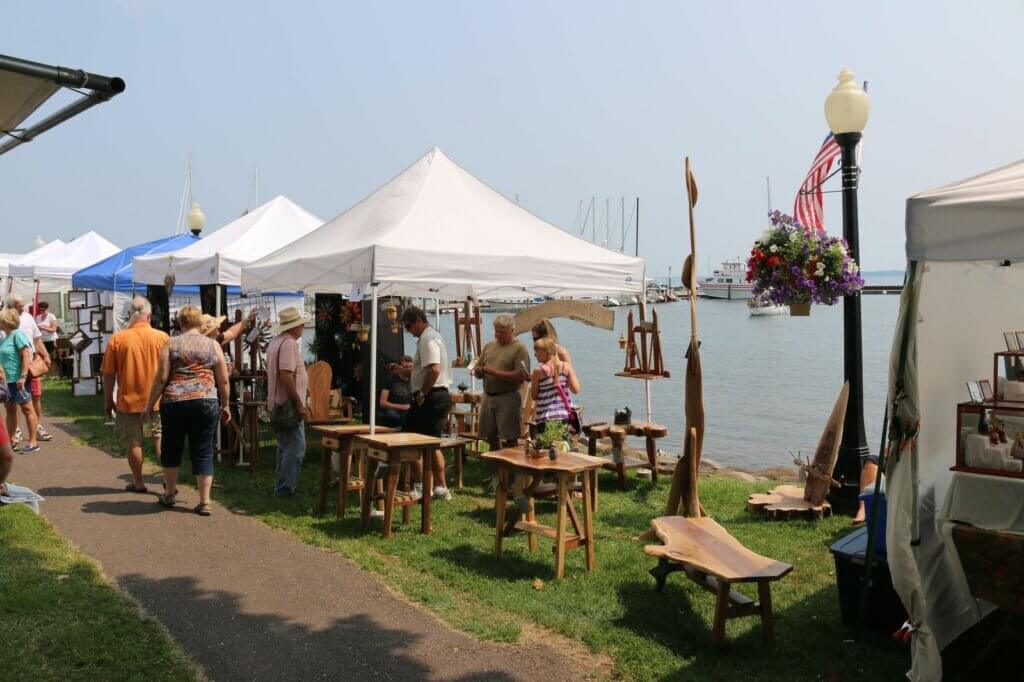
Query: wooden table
338	438
394	449
565	467
650	432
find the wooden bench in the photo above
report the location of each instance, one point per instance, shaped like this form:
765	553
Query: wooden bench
715	560
620	462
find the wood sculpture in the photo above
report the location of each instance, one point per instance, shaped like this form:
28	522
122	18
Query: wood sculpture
685	476
467	333
643	362
790	501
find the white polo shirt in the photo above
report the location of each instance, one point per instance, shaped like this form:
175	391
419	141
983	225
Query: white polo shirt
430	349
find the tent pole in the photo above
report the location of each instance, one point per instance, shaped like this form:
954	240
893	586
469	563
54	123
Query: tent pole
220	456
437	314
373	362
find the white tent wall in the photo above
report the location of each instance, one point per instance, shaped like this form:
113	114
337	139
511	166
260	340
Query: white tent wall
955	336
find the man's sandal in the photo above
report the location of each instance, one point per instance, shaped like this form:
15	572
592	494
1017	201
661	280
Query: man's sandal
167	499
203	509
132	488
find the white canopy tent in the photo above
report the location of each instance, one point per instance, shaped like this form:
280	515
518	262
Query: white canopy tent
965	281
52	265
219	257
436	231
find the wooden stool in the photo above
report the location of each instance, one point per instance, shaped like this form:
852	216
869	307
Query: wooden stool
714	559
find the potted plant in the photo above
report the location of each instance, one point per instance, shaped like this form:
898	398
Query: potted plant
796	266
554	437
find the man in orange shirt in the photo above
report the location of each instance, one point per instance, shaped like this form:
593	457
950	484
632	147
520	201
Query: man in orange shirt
130	363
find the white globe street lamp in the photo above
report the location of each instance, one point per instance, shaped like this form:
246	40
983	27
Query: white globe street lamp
196	219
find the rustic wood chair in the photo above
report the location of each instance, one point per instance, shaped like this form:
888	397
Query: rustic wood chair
715	560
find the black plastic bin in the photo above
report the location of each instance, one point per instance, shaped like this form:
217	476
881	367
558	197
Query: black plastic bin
884	609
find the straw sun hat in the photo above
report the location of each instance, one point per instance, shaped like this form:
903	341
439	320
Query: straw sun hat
288	318
210	325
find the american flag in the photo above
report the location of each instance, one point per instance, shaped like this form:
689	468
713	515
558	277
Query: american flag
808	207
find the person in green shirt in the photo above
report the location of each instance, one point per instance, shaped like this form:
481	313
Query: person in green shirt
504	365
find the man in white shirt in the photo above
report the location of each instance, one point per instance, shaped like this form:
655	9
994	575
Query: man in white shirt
31	330
47	323
430	377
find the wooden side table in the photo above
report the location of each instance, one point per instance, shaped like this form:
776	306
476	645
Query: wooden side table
650	432
564	467
395	449
338	438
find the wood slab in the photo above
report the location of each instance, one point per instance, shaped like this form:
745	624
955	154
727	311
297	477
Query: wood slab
348	429
571	462
709	548
787	502
388	441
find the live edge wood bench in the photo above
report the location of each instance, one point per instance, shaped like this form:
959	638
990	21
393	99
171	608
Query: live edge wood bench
620	462
715	560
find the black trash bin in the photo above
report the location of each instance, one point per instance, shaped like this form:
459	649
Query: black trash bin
884	609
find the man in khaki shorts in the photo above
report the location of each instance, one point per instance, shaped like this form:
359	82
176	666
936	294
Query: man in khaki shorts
130	364
504	365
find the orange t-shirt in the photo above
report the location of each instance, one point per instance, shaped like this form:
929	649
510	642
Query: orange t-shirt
133	355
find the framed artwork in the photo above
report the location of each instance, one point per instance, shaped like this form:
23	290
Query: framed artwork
96	321
986	389
1011	341
79	340
974	390
83	387
95	362
77	299
108	320
92	298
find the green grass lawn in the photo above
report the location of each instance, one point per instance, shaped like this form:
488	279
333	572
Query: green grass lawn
614	610
63	621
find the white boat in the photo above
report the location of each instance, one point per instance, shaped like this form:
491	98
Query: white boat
728	282
762	307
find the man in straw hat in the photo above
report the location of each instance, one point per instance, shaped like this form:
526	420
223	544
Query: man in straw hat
287	380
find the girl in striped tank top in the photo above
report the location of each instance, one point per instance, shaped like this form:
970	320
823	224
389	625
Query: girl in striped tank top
547	398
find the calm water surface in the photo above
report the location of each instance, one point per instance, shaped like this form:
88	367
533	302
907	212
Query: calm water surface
769	382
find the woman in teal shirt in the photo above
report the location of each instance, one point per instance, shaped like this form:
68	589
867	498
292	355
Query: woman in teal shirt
15	353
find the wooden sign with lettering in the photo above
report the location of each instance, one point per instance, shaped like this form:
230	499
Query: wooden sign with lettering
587	312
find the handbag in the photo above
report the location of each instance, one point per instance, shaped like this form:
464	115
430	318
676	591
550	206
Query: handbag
37	367
283	417
574	414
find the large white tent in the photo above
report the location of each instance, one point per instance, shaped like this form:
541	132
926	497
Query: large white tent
219	257
965	281
435	231
51	266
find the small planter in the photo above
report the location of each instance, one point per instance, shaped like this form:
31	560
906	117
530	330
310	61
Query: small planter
800	309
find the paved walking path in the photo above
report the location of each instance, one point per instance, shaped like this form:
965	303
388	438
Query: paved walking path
248	602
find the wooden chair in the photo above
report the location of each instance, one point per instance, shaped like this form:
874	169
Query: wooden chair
318	402
715	560
341	406
464	423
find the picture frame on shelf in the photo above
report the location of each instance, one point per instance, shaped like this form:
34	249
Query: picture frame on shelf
974	391
1010	338
986	390
77	299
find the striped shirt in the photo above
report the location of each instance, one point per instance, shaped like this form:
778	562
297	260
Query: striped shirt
549	404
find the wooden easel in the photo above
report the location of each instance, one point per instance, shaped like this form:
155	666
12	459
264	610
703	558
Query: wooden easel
643	362
467	333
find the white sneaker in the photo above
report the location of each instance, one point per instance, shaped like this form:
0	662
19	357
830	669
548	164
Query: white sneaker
417	491
376	513
442	493
16	438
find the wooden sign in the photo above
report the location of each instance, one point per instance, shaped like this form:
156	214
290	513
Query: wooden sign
587	312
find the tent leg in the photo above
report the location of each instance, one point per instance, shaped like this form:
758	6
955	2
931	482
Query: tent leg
437	314
373	362
220	456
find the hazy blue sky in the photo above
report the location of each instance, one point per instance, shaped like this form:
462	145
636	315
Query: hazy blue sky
553	101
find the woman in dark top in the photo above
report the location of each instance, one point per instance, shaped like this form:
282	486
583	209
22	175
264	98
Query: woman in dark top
191	385
395	399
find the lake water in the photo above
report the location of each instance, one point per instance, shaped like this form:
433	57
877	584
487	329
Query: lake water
769	382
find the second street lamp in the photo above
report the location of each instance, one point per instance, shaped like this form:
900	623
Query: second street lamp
846	110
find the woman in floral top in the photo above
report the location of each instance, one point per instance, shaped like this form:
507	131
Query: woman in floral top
192	386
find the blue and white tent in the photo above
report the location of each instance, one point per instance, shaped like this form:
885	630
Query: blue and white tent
115	272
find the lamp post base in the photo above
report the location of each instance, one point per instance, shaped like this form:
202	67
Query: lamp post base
844	498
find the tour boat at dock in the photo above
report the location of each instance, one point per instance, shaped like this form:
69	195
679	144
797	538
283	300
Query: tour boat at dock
728	282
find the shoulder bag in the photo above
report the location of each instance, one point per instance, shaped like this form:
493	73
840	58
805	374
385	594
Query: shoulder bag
283	417
574	413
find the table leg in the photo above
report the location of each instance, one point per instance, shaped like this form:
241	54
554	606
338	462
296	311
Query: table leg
764	595
428	489
593	491
652	458
531	516
368	490
407	487
588	519
344	473
563	500
500	496
389	497
325	476
459	452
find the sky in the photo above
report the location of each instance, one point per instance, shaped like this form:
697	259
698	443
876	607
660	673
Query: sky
552	102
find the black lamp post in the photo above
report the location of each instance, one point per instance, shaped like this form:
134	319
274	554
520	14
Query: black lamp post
846	110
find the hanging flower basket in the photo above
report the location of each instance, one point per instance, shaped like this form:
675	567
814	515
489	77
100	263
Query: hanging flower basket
796	266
